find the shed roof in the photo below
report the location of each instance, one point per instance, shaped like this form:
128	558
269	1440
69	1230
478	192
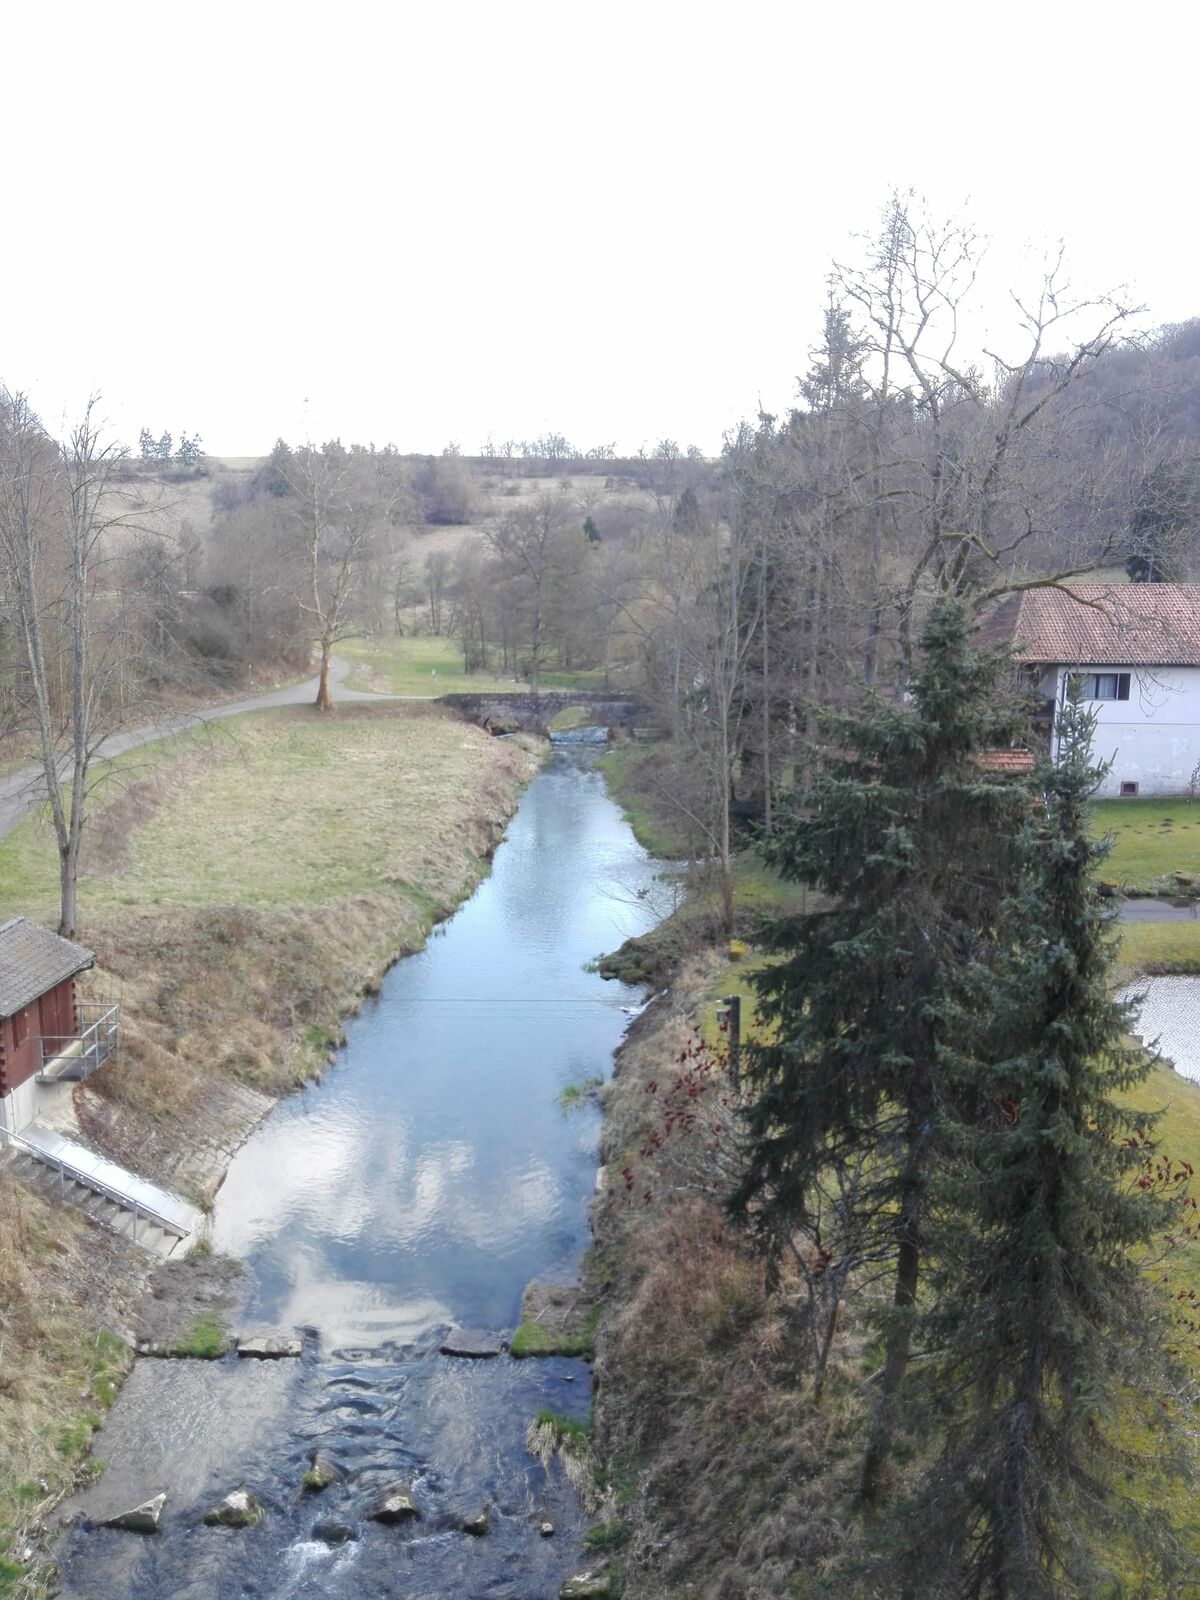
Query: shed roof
1005	760
33	960
1102	625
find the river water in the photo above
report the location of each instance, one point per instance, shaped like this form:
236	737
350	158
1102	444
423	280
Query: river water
421	1185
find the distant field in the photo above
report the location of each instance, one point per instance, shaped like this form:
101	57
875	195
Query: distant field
407	666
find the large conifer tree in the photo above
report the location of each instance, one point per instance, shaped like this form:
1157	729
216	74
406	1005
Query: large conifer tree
1050	1370
916	841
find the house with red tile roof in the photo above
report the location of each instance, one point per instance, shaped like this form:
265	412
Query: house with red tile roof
1136	646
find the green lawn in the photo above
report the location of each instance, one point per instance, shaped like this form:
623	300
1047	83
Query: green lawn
407	666
1153	839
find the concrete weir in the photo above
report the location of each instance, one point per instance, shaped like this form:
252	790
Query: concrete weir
533	713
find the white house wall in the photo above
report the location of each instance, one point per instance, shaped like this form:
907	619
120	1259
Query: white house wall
1153	738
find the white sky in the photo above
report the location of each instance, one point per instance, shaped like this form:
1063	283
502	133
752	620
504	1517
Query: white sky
611	219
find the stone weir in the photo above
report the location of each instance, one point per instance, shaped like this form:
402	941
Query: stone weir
533	713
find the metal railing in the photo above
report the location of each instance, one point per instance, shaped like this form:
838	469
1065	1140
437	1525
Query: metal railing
67	1172
77	1055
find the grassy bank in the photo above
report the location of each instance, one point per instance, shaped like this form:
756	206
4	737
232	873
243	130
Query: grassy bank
64	1285
242	889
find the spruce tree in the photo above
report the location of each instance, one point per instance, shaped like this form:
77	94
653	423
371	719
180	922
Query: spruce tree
1052	1368
916	841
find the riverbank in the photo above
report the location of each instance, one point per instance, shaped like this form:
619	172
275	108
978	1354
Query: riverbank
727	1480
244	888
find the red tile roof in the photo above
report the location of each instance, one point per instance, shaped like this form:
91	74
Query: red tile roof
1102	625
1005	760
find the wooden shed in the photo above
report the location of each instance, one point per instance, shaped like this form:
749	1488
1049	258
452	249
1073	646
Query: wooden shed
44	1030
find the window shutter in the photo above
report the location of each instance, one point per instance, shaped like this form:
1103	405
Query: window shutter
1123	686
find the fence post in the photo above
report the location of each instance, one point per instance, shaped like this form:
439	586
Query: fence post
734	1014
135	1221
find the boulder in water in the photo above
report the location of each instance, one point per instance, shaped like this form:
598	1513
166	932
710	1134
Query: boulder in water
334	1532
323	1471
478	1522
271	1349
473	1343
396	1505
142	1519
239	1509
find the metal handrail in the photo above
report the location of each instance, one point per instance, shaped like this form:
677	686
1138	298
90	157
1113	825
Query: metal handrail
78	1175
97	1042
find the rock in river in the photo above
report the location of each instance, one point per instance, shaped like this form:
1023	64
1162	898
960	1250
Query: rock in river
142	1519
239	1509
270	1349
397	1505
474	1343
587	1586
478	1522
334	1532
323	1471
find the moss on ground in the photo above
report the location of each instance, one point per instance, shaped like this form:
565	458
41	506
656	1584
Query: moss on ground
207	1339
533	1339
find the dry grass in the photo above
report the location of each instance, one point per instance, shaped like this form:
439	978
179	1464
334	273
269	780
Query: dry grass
727	1478
56	1278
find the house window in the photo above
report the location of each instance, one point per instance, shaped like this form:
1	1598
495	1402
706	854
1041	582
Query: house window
1106	686
1129	788
20	1027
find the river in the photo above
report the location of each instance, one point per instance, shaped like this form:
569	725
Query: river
421	1184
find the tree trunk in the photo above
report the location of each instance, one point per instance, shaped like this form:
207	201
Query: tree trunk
876	1469
67	880
324	700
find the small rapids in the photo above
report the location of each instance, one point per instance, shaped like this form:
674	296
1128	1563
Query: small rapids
420	1185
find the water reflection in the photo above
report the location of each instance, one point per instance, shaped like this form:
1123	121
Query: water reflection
424	1182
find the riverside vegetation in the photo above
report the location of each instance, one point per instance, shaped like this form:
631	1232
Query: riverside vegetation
242	890
730	1472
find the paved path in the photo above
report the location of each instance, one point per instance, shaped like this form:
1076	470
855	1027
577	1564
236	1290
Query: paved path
21	790
1144	910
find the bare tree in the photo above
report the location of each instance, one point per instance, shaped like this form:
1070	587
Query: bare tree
345	502
58	509
529	545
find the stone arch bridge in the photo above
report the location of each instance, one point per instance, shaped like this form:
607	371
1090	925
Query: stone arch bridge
533	713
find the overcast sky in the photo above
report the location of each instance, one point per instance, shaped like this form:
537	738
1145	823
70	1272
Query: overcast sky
432	222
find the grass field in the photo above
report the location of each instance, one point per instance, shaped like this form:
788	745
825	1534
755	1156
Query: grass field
271	808
1152	840
407	666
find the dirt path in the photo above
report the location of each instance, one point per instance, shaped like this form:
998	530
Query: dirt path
21	790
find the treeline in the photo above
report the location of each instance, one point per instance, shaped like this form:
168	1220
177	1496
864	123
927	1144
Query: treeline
909	467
